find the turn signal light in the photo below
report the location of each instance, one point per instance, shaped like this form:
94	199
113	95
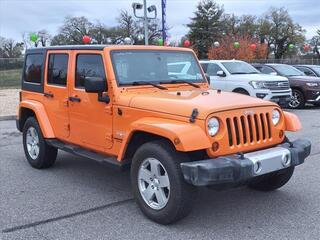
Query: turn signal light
215	146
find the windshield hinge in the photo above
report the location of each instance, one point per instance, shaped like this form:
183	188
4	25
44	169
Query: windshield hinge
194	115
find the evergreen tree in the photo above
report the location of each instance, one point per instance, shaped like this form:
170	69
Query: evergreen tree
206	26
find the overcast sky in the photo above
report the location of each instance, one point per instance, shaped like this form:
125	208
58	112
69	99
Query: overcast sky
18	16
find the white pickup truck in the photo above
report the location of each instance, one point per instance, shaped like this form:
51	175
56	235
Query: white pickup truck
241	77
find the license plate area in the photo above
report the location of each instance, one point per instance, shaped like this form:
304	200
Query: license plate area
269	160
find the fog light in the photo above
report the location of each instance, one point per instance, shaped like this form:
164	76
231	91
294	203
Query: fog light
286	160
215	146
261	95
281	133
257	167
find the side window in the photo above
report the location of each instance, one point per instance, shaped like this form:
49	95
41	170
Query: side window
58	69
204	67
88	65
267	70
213	69
306	71
33	68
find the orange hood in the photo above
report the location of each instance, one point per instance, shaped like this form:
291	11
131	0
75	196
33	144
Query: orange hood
183	102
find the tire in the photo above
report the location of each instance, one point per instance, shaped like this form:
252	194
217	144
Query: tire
179	196
297	99
33	139
241	91
272	181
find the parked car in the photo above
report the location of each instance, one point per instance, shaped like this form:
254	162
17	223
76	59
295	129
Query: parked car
309	70
121	106
305	89
241	77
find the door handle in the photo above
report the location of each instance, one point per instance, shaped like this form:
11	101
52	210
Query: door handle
48	95
74	99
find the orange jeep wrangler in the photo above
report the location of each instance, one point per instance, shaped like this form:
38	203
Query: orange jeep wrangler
151	108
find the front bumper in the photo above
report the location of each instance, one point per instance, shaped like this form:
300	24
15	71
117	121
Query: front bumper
281	97
238	169
313	96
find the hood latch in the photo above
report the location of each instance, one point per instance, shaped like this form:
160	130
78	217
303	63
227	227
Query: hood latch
194	115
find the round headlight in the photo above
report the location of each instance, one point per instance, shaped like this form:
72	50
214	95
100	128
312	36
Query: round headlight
213	126
275	116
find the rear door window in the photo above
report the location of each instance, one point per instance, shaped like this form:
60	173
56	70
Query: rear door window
33	68
58	69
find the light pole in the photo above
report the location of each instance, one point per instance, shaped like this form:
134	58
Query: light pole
152	8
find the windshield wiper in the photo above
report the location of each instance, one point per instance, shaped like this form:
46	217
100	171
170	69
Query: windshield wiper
182	81
149	83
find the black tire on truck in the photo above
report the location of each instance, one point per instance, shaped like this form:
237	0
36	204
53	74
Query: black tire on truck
241	91
158	184
39	154
272	181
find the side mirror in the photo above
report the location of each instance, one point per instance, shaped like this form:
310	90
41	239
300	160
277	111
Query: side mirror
94	84
221	73
273	73
207	77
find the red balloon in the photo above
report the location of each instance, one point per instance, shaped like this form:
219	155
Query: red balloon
186	43
253	46
306	47
86	39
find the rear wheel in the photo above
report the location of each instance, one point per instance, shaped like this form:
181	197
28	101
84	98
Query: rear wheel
158	185
38	153
272	181
297	99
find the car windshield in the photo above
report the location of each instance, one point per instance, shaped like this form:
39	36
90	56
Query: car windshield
316	69
288	71
151	66
239	68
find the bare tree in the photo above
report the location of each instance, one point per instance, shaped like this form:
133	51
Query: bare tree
9	48
277	27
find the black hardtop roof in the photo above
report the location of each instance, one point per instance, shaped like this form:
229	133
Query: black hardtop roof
67	47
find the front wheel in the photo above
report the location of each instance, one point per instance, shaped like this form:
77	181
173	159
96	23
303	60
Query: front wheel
297	99
158	185
272	181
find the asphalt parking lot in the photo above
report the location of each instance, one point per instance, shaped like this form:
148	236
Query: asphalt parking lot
81	199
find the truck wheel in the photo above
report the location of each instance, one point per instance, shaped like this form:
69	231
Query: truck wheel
39	154
272	181
158	184
241	91
297	99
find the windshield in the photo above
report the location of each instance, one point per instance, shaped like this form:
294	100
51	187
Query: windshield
287	70
239	68
316	69
155	66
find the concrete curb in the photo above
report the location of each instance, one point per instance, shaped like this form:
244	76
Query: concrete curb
6	118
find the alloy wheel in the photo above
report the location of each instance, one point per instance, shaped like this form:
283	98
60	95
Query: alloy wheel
295	100
32	141
153	183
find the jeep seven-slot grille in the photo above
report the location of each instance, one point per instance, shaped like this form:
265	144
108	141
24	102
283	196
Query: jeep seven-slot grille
248	129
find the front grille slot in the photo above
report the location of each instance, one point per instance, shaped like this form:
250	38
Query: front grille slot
248	129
